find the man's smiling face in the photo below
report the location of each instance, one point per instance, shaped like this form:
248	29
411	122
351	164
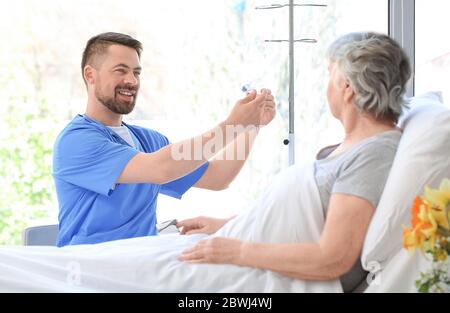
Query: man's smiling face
118	79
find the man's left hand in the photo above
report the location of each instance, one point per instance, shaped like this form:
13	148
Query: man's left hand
269	110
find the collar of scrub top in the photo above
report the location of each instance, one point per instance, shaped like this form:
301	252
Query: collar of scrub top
110	131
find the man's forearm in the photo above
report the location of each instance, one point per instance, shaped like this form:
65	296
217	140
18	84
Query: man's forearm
178	159
224	168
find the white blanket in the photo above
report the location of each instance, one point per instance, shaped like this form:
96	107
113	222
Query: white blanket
288	211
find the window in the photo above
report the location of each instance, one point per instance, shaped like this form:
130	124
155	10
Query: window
197	55
432	47
266	64
315	127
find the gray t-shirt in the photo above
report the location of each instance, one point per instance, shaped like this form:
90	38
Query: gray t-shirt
360	171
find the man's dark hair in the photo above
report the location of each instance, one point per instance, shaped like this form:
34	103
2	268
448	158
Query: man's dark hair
99	44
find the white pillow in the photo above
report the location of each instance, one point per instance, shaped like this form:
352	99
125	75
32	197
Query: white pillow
422	158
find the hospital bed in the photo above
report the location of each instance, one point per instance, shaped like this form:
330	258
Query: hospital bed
423	158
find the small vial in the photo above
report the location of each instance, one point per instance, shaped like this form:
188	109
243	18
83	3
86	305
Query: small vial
247	88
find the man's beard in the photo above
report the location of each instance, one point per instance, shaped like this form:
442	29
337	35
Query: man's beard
115	105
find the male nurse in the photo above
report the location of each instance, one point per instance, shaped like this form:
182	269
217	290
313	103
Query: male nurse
108	173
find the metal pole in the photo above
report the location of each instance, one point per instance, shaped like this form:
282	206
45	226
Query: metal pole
402	29
291	85
291	139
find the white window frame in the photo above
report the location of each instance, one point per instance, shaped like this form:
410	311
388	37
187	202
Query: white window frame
402	29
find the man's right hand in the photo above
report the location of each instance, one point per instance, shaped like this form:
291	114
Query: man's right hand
248	110
201	225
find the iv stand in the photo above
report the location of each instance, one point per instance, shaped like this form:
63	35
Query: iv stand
291	139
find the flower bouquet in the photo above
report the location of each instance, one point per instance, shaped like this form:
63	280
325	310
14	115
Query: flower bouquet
430	232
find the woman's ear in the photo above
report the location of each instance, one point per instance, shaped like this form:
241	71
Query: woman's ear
349	93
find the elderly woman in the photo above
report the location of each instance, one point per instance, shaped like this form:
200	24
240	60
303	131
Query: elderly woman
368	75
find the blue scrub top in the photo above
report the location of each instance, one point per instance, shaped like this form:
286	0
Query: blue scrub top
87	161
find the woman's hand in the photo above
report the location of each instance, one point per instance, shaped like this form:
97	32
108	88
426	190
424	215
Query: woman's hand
201	225
215	250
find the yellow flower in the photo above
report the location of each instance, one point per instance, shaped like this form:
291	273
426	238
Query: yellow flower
430	232
429	219
439	200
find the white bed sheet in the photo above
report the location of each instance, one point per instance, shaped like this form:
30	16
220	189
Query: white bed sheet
287	212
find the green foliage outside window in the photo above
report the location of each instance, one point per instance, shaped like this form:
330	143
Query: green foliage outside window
27	188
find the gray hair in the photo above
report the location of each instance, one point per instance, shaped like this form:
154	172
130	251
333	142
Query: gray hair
377	68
